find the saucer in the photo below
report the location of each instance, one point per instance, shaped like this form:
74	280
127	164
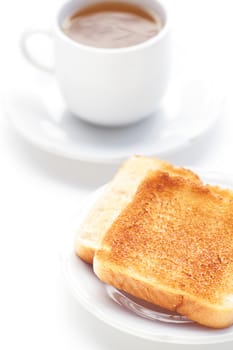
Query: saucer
38	112
123	311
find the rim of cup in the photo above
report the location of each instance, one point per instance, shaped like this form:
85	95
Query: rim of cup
157	38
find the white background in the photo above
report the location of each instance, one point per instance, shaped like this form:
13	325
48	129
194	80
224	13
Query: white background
39	193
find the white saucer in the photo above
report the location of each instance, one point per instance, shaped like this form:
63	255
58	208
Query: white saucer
38	113
99	300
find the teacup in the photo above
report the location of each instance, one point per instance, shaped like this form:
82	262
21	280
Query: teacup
108	86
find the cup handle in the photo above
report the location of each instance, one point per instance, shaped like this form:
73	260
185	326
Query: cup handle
26	51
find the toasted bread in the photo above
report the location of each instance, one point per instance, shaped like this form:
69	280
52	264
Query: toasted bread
115	197
173	246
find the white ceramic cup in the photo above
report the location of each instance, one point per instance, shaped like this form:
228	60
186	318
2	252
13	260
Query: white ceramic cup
109	87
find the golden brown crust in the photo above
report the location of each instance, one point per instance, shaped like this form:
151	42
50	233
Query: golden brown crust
115	198
223	192
179	234
205	314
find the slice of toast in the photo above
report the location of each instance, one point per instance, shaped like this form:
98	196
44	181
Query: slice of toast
115	197
173	246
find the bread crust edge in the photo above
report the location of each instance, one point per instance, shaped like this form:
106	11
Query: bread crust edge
204	313
85	252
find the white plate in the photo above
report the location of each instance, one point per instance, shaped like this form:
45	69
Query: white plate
94	296
190	107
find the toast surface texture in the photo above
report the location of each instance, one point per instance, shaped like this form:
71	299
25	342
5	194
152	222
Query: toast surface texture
173	246
114	198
